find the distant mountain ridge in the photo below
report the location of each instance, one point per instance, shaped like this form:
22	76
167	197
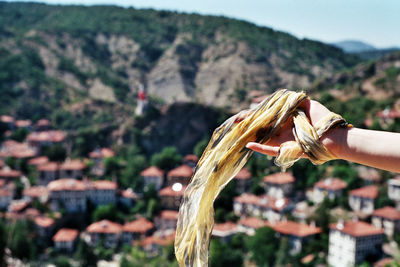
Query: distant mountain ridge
364	50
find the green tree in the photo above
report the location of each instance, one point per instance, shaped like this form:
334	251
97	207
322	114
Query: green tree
112	166
167	159
222	255
19	135
3	242
21	246
348	174
63	261
85	255
107	212
55	153
263	246
131	175
282	255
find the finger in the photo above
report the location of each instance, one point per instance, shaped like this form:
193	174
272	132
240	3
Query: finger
264	149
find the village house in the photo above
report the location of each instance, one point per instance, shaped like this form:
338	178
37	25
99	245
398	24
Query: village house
191	160
104	231
368	175
24	124
152	245
181	174
137	229
263	206
224	231
42	125
297	233
102	192
11	148
65	239
47	172
46	138
69	194
350	242
249	225
243	181
8	120
9	175
362	200
152	176
38	193
98	156
72	168
18	205
44	226
394	189
331	188
35	162
387	218
171	196
128	197
5	198
167	220
279	184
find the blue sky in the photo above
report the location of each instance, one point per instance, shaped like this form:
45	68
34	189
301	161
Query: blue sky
374	21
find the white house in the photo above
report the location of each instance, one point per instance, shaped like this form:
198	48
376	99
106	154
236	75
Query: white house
69	194
387	218
350	242
394	189
44	226
137	229
224	231
102	192
249	225
65	239
279	185
104	231
47	172
330	188
152	175
5	198
243	181
72	168
167	220
363	199
181	174
171	196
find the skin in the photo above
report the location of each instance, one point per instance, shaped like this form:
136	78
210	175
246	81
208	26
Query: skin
377	149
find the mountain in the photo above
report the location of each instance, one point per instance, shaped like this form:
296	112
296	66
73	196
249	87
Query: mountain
353	46
81	66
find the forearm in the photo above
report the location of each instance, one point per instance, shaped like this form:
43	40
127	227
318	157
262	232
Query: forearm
373	148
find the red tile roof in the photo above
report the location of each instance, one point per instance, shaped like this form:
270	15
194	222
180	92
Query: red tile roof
6	119
44	222
31	213
387	213
140	225
369	174
67	184
35	191
23	123
357	229
169	215
105	227
158	240
392	114
296	229
225	227
191	157
9	173
168	191
47	136
102	153
2	164
66	235
253	222
365	192
386	262
331	184
103	185
263	201
18	206
129	193
73	164
280	178
181	171
43	123
246	198
152	171
48	167
243	174
38	160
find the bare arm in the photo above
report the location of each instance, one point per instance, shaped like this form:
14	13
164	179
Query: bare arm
377	149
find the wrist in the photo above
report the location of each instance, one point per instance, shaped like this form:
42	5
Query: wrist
335	140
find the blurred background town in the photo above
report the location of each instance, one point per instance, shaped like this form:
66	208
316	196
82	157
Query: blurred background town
106	110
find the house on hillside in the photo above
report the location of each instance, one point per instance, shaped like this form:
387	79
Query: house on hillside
69	194
106	232
137	229
181	174
102	192
331	188
352	241
249	225
171	196
363	199
47	172
72	168
44	226
279	185
152	176
224	231
394	189
190	160
65	239
167	220
243	181
98	156
387	218
5	198
38	193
